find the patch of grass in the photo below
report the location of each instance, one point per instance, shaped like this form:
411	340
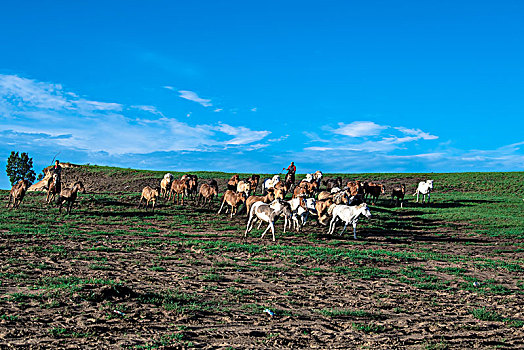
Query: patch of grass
99	267
253	309
157	268
514	323
70	282
239	291
21	297
457	271
9	317
171	300
364	272
368	327
484	314
347	312
211	277
104	249
59	332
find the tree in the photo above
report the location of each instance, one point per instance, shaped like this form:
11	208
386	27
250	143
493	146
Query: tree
20	167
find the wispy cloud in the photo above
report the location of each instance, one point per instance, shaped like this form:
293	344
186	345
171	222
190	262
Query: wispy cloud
28	92
366	136
419	134
192	96
399	148
25	93
279	139
242	134
47	111
359	129
150	109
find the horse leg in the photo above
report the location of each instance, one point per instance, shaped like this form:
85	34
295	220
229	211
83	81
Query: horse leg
267	229
219	210
355	230
248	229
332	225
344	229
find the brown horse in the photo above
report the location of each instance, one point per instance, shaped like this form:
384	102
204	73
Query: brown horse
54	188
17	193
68	196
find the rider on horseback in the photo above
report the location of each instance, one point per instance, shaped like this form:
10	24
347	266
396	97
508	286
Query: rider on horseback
290	176
56	170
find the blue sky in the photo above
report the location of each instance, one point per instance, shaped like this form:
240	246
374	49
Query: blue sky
339	86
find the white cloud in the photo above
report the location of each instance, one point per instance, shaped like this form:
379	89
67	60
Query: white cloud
281	138
256	146
218	110
28	92
253	109
169	87
242	134
367	136
430	156
316	148
37	108
359	129
150	109
419	134
97	106
314	137
192	96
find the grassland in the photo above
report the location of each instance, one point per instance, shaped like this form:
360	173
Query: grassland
440	276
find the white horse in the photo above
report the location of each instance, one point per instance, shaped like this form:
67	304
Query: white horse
308	178
349	215
270	183
424	188
267	213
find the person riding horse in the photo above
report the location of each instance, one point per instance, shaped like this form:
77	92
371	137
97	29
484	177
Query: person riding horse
56	170
290	176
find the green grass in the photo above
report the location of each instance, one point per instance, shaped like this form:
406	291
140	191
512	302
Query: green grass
59	332
485	314
368	327
348	312
6	317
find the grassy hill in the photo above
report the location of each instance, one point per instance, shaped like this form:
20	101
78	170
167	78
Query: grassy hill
449	275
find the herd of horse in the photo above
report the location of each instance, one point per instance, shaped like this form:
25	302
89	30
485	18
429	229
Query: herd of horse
337	201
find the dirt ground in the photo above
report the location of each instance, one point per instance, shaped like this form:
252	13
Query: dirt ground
111	276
